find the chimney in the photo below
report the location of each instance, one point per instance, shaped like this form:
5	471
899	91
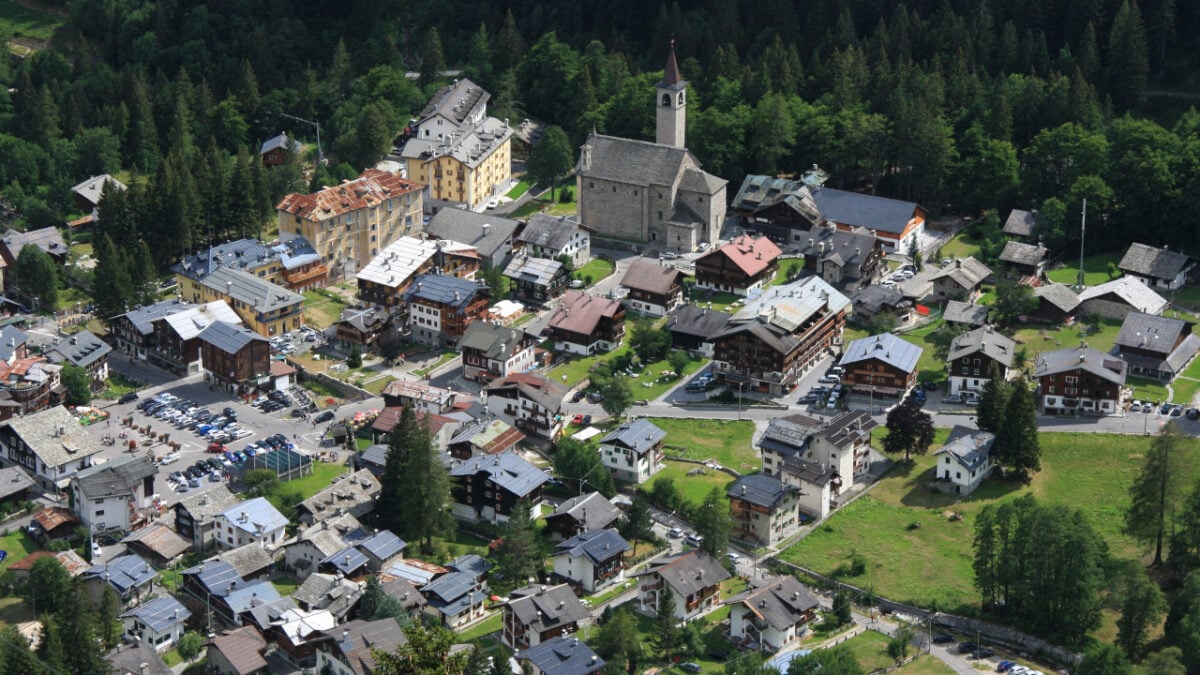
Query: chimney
144	668
486	228
958	263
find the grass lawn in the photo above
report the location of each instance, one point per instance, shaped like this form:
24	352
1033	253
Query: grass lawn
18	544
610	593
23	21
492	624
554	208
929	367
870	650
445	358
376	386
926	665
1147	390
787	268
1095	270
322	308
321	477
723	441
519	189
69	297
1188	296
959	247
577	368
14	610
118	386
1185	389
650	383
1036	340
694	488
1076	471
172	658
285	585
596	268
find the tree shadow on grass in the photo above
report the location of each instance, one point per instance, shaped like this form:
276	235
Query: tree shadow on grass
920	495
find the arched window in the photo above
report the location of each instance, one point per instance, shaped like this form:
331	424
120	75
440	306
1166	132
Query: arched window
666	101
681	98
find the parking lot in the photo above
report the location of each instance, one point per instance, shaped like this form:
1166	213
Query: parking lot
181	447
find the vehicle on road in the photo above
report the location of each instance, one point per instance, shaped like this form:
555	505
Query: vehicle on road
952	399
595	396
675	533
324	417
734	556
967	647
690	667
169	458
942	638
128	398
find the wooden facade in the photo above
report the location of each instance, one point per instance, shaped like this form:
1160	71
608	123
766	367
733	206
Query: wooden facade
879	376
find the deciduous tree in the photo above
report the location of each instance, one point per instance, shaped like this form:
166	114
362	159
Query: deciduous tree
551	159
520	555
910	430
78	383
1142	608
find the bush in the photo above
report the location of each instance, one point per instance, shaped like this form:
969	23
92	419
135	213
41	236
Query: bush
565	195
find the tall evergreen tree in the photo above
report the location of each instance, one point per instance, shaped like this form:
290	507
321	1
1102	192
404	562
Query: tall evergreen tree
666	624
989	413
520	554
113	286
389	502
108	623
713	523
1017	447
50	649
509	47
1142	608
424	491
637	525
433	60
551	159
1128	61
15	655
76	625
1156	490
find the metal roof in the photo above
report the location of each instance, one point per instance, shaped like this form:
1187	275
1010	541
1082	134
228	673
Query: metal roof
487	233
780	601
218	577
638	435
250	290
995	346
884	347
760	490
279	141
229	338
687	572
597	545
453	292
347	561
651	276
383	545
253	594
851	208
969	447
193	319
562	655
251	513
1083	357
399	261
143	318
696	321
93	188
159	613
538	271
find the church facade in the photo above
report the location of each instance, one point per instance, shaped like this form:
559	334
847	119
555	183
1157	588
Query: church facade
655	193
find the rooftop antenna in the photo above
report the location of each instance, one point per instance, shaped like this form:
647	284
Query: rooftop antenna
1082	234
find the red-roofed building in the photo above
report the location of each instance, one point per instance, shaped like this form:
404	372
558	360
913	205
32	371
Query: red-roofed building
743	265
441	428
530	403
585	324
349	224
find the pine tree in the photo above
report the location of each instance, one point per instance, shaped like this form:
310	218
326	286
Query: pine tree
425	490
113	286
341	73
433	61
1156	490
638	523
389	502
479	59
993	400
520	554
1087	54
1142	608
15	655
666	624
713	524
108	625
910	430
141	146
1128	60
509	45
1017	446
50	649
76	626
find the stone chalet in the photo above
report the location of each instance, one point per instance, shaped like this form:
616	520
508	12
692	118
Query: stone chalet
583	513
420	397
547	236
763	509
253	521
970	358
585	324
330	592
1080	381
654	289
1020	225
15	485
159	622
1158	268
964	461
558	655
741	267
536	280
1024	260
487	488
693	327
355	494
349	648
771	614
591	560
535	614
882	364
633	452
778	336
530	403
195	515
490	351
481	438
85	350
1057	303
960	278
50	445
319	542
1157	347
841	256
967	314
111	496
441	307
235	358
491	235
1119	297
693	577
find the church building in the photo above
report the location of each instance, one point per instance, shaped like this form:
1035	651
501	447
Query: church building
655	193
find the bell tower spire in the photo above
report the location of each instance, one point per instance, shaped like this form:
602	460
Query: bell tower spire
671	104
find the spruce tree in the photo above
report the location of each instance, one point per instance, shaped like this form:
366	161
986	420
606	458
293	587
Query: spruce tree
520	554
433	60
108	623
1017	446
76	625
1128	60
1156	490
113	287
50	649
666	624
389	502
713	523
638	524
424	490
992	402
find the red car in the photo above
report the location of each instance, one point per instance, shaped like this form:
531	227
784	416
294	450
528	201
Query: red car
216	448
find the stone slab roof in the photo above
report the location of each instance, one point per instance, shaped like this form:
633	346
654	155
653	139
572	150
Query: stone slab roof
489	234
966	312
1156	263
983	340
886	348
1130	291
550	232
55	436
1020	223
1091	360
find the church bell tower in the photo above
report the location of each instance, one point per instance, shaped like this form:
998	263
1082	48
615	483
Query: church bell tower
671	103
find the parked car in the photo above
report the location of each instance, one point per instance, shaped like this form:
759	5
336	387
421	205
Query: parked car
690	667
169	458
953	398
942	638
324	417
1136	406
830	379
1165	409
971	399
128	398
1192	413
577	420
967	647
1176	410
984	653
669	255
577	396
929	385
1003	666
675	533
595	396
734	556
